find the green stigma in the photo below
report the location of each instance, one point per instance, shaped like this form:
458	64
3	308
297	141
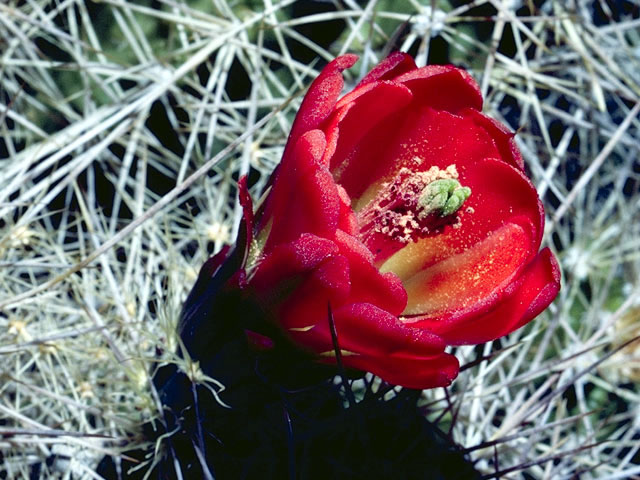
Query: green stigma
444	196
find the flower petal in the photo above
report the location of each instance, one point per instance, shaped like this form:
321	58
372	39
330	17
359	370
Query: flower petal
357	117
472	280
535	290
391	67
499	192
368	285
304	197
410	372
372	339
367	329
333	276
502	136
347	221
321	96
286	259
417	138
443	87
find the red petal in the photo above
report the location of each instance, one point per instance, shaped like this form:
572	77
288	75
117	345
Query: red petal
287	259
499	192
373	340
303	315
368	285
443	87
410	372
394	65
332	276
416	138
356	251
304	198
375	102
321	96
347	221
535	290
502	136
473	280
367	329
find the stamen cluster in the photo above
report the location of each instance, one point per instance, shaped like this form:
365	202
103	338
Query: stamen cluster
407	207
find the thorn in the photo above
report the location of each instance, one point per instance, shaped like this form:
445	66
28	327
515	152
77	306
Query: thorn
290	445
199	436
336	347
542	460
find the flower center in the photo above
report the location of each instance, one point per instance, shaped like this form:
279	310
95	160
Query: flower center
413	205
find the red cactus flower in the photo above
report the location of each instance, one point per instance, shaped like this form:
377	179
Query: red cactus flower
408	211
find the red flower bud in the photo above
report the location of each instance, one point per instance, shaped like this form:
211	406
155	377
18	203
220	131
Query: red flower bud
408	211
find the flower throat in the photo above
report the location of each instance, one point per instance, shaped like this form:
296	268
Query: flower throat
413	205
